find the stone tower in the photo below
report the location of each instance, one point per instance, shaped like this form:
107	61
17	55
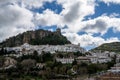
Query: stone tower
79	44
58	31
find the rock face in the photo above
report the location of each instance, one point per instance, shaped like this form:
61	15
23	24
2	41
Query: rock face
112	47
9	61
38	37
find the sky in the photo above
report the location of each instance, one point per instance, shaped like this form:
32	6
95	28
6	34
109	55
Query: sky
88	22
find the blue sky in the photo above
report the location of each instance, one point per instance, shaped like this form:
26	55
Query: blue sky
88	22
103	8
57	8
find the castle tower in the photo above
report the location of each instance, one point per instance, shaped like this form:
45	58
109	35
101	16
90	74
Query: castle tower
79	44
58	31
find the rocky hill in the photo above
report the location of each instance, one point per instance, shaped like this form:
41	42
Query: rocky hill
38	37
114	47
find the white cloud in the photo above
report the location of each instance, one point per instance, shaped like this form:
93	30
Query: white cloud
3	2
111	1
88	40
71	16
101	24
76	10
98	25
114	15
14	20
34	3
112	39
47	18
85	39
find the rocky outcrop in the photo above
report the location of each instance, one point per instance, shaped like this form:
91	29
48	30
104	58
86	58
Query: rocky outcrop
9	61
37	37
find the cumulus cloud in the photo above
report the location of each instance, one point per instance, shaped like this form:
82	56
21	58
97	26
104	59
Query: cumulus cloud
88	40
47	18
71	16
95	27
85	39
73	13
14	20
16	17
101	24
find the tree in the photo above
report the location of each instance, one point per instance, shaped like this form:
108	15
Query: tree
1	61
110	64
35	55
60	55
57	64
78	53
50	64
47	57
83	64
92	68
3	51
63	70
48	71
55	70
74	62
28	64
75	68
69	72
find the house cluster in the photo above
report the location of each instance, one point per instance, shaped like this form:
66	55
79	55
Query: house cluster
27	49
115	68
108	76
90	57
111	74
100	57
65	60
97	57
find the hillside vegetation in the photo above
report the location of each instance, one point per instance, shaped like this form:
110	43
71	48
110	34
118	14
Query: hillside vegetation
112	47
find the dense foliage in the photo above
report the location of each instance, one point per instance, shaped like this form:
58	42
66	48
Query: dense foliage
51	39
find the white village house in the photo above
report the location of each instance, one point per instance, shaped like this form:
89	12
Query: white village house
26	48
65	60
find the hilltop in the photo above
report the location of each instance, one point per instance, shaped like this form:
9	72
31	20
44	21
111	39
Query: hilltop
113	47
37	37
